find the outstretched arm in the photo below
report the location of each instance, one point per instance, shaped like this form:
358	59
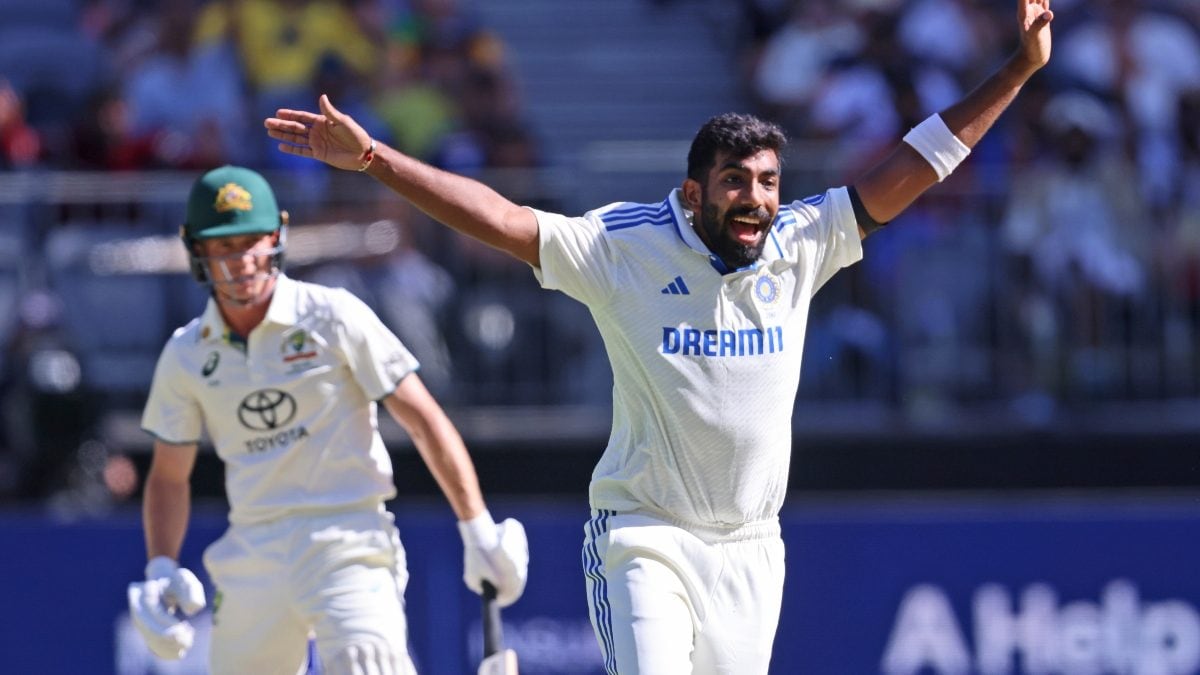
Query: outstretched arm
889	187
466	205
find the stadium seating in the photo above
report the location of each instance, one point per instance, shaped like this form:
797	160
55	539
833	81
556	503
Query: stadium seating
116	320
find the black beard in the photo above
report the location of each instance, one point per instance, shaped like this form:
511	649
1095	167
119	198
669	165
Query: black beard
733	254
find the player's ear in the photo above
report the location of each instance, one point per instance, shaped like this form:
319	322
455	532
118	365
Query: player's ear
691	194
192	245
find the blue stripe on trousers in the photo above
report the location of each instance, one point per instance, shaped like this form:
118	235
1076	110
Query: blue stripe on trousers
592	563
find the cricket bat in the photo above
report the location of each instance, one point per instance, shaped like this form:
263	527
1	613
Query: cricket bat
496	659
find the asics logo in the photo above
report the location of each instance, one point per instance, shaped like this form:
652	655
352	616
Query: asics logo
211	364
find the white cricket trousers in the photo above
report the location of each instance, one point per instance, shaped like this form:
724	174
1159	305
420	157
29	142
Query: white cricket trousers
668	599
339	577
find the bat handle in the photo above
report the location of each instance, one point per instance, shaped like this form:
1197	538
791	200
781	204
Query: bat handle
493	629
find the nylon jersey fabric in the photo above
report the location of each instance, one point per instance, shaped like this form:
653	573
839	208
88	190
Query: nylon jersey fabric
705	365
291	411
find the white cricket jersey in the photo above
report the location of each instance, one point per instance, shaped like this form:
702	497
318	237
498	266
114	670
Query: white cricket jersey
705	365
291	411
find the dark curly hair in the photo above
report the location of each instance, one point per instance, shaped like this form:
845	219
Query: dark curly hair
738	134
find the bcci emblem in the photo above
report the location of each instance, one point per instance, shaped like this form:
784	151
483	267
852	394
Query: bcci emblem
766	289
232	197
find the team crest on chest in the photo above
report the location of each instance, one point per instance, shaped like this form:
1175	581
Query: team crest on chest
766	289
298	346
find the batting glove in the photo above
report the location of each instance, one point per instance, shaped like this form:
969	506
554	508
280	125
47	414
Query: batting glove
496	553
159	605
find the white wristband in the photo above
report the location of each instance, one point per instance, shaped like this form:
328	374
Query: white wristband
934	141
479	531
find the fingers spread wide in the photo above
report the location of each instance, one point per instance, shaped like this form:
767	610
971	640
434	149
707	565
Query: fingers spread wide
276	124
327	106
288	136
301	150
301	116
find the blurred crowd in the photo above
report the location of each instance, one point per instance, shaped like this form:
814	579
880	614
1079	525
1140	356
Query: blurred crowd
1059	266
1078	215
117	86
142	85
184	84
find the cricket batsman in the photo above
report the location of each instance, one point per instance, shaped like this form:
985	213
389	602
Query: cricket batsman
285	378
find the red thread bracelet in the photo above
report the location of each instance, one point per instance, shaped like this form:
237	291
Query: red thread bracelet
368	156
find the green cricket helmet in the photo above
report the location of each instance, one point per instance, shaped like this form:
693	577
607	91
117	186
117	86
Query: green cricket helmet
231	201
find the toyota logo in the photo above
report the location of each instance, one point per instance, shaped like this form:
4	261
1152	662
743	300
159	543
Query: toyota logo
266	409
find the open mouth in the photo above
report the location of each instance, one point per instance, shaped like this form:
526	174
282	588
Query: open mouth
746	230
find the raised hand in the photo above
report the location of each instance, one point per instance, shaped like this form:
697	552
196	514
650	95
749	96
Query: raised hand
332	136
1035	17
